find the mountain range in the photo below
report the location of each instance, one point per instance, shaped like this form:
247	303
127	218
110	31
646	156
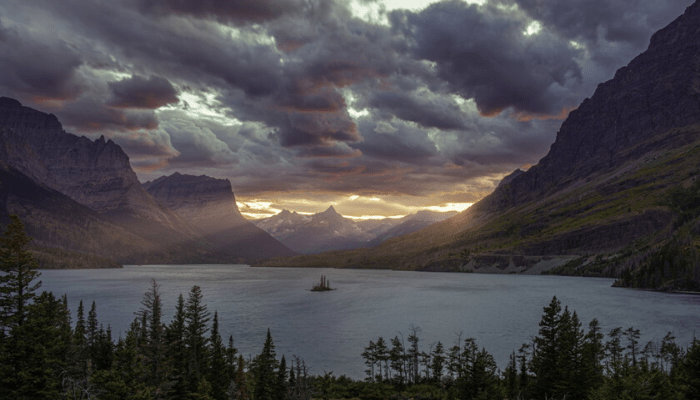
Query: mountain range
85	207
328	230
617	194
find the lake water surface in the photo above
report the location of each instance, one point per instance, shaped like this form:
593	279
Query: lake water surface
329	330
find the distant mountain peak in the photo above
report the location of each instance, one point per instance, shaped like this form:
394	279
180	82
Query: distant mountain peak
330	211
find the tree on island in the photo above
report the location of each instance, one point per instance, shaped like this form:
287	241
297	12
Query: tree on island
322	286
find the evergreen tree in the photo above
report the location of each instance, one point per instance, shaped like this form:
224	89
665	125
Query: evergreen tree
281	383
545	360
690	376
92	326
34	358
524	379
370	356
127	377
454	359
196	319
511	377
152	340
593	354
396	359
18	269
382	358
438	362
632	343
104	349
218	375
231	361
241	391
264	368
177	352
413	354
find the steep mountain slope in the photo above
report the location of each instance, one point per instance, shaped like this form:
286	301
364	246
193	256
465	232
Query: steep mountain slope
96	174
70	235
597	203
209	205
85	206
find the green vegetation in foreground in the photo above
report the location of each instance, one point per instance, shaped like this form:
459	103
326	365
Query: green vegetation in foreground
43	357
323	286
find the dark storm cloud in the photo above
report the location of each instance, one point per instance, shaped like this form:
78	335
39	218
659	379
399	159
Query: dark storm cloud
36	70
436	112
288	74
483	54
592	21
339	150
197	143
139	92
236	11
397	141
200	53
90	114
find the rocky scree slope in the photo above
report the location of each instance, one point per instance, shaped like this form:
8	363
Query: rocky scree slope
96	174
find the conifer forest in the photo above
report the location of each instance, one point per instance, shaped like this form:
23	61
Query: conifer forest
49	352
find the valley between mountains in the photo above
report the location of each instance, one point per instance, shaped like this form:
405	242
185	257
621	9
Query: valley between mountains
617	195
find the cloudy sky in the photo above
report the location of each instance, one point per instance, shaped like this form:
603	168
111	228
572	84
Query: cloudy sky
379	107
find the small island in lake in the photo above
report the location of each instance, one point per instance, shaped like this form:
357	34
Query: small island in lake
323	286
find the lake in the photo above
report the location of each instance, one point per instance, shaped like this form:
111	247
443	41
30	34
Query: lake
329	330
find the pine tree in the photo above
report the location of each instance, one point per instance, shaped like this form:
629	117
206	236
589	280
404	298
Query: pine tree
396	358
382	357
438	362
281	382
264	368
92	326
196	319
217	374
152	341
177	352
413	354
545	359
241	383
36	353
511	377
690	376
127	377
231	360
370	356
18	269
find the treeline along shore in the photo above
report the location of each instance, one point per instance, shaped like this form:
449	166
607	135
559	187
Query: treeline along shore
45	354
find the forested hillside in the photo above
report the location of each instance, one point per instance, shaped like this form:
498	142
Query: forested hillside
44	355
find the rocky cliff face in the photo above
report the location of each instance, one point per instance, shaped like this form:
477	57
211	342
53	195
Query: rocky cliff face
209	204
628	116
96	174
